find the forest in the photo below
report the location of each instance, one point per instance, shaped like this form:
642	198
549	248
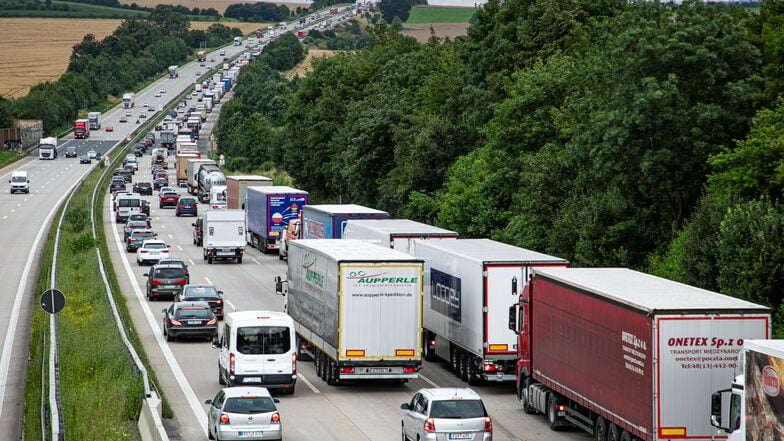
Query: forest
612	133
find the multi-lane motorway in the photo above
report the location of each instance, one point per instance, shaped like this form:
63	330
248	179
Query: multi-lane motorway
187	370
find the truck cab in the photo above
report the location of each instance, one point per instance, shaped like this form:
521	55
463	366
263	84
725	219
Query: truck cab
293	232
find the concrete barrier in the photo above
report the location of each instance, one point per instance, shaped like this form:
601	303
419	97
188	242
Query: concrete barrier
150	423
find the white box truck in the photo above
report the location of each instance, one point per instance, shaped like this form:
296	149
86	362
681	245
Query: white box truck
173	71
394	233
753	407
127	100
357	308
223	235
95	120
469	285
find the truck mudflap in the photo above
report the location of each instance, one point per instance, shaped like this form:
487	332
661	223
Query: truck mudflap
347	372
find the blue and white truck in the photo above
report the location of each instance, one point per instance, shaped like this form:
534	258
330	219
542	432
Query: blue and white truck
329	221
268	211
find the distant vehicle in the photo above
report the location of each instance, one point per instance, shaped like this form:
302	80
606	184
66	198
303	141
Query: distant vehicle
239	410
92	154
162	90
198	231
137	238
167	199
173	71
19	181
70	151
139	217
151	251
109	129
157	94
95	120
85	159
201	56
123	120
192	319
237	41
222	53
165	280
143	188
117	186
142	115
127	100
186	206
132	225
225	235
446	413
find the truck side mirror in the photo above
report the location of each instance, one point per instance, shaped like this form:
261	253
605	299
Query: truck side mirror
279	286
513	314
723	405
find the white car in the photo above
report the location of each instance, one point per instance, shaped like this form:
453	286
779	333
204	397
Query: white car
164	189
244	412
163	90
157	94
128	113
92	154
151	251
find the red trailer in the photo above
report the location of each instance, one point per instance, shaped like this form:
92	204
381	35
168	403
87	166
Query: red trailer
81	128
625	355
236	187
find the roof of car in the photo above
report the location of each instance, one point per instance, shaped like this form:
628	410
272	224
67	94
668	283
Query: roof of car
166	266
150	241
450	393
240	391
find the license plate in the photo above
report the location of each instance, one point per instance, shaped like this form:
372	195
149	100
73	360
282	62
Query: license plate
154	253
194	322
252	380
460	436
251	434
378	370
169	286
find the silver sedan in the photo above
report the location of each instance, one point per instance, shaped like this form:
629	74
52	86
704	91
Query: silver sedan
244	413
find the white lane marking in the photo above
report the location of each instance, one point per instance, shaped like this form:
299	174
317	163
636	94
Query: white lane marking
179	376
254	259
191	261
172	237
230	304
308	383
13	209
429	381
208	280
163	226
179	247
10	334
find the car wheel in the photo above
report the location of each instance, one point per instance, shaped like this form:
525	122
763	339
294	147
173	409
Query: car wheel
403	432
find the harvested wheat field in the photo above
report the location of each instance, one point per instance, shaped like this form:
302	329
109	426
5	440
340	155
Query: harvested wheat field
422	31
306	66
32	57
218	5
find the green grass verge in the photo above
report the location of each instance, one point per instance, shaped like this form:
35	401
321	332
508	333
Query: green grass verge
100	387
439	15
8	157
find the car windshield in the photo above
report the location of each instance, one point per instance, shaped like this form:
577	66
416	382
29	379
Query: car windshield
200	291
144	235
187	201
154	245
263	340
249	405
458	409
193	312
136	224
129	202
18	179
169	273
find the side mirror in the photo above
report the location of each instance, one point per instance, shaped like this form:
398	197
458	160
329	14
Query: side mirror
193	224
146	274
207	401
404	406
513	313
220	293
725	410
167	246
279	286
275	400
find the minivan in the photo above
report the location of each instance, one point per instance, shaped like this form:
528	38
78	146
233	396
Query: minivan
127	204
19	182
257	348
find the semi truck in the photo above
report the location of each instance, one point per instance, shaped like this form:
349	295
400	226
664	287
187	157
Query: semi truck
237	41
329	220
201	56
181	166
167	139
357	309
470	283
174	71
269	210
399	234
209	176
625	355
223	235
193	166
127	100
95	120
81	129
47	148
753	407
237	186
218	197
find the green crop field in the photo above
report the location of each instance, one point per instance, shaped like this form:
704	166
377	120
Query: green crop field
439	15
84	10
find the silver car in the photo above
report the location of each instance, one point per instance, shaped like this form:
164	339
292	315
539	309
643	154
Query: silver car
243	413
445	414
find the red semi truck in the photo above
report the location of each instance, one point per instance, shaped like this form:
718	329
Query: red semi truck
627	356
81	128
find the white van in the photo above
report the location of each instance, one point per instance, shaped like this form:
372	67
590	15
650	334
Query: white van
19	182
127	204
258	348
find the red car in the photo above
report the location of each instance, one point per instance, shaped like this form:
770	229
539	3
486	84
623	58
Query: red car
123	120
109	129
168	198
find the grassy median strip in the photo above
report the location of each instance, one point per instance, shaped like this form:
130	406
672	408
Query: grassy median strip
101	388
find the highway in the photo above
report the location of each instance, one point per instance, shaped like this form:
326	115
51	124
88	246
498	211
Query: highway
25	220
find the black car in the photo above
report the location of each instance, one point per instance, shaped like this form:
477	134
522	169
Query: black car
197	232
189	319
132	225
159	182
186	206
85	159
70	152
202	293
138	151
139	217
126	174
116	186
136	238
177	262
145	207
166	279
143	188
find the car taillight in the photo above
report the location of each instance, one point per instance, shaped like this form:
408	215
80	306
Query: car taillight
347	370
488	423
175	322
231	364
294	363
224	419
489	368
182	282
430	425
144	251
275	418
156	282
219	302
212	322
132	239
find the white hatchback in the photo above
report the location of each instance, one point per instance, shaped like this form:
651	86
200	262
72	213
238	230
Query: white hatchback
151	251
244	413
446	413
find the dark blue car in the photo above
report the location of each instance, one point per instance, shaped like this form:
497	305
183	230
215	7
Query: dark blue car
186	206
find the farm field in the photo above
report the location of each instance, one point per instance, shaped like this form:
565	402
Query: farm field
424	15
422	31
306	65
219	5
32	59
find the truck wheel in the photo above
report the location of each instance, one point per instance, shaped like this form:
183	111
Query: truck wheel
332	379
613	432
463	359
471	371
626	436
600	429
525	397
552	418
428	352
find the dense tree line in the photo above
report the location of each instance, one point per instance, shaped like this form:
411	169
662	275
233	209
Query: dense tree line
611	133
33	5
210	12
136	51
256	12
346	36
